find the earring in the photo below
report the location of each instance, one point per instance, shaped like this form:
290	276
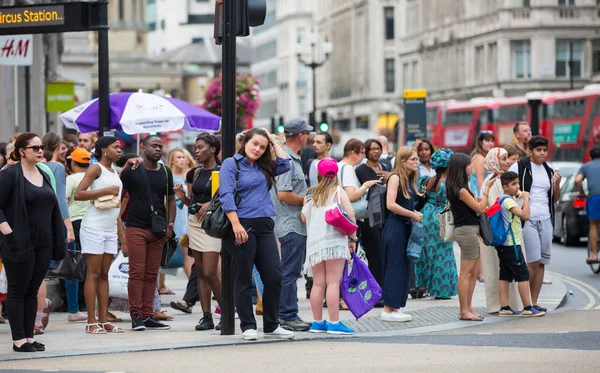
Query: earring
105	154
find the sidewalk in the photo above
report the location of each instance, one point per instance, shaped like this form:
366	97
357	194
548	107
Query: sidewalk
69	339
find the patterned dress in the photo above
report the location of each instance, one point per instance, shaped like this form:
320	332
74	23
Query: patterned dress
436	268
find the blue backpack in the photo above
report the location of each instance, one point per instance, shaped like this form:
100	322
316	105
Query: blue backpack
500	230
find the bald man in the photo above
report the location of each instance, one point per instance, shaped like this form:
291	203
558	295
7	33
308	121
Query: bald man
386	158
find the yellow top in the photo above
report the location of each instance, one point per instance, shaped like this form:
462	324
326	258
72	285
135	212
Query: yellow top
508	204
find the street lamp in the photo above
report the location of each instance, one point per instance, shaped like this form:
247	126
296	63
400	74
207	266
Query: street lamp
314	65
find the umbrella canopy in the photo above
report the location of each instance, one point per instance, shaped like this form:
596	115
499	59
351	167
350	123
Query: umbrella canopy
138	112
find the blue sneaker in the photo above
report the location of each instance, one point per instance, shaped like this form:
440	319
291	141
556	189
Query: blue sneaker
509	312
532	312
318	327
339	329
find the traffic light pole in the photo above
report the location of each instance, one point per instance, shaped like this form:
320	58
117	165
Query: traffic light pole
313	65
228	131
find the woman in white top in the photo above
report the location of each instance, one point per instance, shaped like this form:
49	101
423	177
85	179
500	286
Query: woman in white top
424	149
326	248
99	230
496	163
354	152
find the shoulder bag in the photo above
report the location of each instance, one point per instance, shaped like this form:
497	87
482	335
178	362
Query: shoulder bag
215	221
447	224
72	267
360	206
338	218
158	217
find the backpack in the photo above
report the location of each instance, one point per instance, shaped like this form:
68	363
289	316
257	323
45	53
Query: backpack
500	230
377	206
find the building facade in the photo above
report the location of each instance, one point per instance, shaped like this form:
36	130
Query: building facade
476	48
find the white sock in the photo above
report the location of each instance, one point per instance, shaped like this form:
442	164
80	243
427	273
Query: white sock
319	321
334	322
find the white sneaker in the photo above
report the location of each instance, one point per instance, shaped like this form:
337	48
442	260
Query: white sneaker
280	333
395	316
250	335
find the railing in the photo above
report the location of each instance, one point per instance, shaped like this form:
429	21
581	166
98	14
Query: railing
521	13
568	12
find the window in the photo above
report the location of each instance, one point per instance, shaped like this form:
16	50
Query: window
267	109
362	122
162	24
566	2
567	109
268	80
301	75
201	19
405	75
432	115
596	56
458	117
388	12
301	36
511	114
121	10
302	106
525	3
569	58
390	75
265	51
521	56
492	62
479	63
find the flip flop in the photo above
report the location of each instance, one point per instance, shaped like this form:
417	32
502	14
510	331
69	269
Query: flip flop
477	318
180	307
589	261
166	291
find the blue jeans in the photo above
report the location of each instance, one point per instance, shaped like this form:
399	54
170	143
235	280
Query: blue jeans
293	251
72	290
258	281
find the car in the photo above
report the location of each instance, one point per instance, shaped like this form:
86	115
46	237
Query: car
570	216
565	169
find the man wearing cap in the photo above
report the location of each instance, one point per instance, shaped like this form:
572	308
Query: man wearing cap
288	198
79	162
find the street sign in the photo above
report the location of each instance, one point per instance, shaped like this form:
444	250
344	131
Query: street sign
566	133
60	96
415	115
16	50
53	18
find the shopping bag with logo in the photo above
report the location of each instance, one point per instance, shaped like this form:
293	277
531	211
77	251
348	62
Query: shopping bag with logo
118	277
447	224
358	288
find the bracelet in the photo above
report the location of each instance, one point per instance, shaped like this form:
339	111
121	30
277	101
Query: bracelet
350	239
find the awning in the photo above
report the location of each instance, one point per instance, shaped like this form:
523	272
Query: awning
386	122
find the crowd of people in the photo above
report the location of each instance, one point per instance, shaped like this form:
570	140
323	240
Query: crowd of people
82	192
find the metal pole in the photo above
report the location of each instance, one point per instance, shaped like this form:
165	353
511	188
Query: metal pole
27	98
228	97
103	81
571	64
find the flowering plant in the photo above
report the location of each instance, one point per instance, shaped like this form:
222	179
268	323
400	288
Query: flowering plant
247	91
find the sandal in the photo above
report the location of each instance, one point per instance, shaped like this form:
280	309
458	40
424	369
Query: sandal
165	291
162	315
97	330
180	307
476	318
46	313
113	329
38	330
111	317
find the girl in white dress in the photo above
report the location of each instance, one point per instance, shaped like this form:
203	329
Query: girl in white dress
326	249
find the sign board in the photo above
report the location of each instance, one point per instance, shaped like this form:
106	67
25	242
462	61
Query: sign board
566	133
47	15
16	50
60	96
506	135
53	18
415	115
456	137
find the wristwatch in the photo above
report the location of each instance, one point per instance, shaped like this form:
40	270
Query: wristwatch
350	239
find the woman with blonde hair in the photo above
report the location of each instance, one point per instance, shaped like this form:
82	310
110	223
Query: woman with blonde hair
400	198
327	249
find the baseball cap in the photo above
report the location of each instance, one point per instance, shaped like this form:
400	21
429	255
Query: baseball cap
296	126
80	155
328	167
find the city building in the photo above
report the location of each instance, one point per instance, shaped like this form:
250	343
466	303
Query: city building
479	48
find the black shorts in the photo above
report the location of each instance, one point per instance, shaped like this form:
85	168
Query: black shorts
512	269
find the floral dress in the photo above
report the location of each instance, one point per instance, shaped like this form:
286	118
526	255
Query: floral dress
436	268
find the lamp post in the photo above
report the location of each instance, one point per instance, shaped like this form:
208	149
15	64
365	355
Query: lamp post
314	65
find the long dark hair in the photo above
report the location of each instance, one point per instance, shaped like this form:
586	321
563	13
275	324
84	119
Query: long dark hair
51	142
457	177
439	172
266	163
22	142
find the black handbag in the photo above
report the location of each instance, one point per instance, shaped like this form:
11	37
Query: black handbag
158	216
215	221
72	267
168	251
485	231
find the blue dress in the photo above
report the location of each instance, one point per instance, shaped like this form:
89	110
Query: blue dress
394	237
436	267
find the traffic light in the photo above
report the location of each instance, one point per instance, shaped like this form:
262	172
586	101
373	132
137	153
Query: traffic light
248	13
324	126
273	126
280	127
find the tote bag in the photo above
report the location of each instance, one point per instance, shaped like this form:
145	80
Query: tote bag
358	288
447	224
361	205
118	277
72	267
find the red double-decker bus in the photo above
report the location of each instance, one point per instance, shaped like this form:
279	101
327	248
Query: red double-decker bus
435	116
462	122
571	121
506	112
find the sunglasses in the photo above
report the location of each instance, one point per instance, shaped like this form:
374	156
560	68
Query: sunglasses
36	148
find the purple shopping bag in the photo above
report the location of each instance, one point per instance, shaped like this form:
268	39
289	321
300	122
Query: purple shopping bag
358	288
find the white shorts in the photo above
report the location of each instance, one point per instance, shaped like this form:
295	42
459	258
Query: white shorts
97	241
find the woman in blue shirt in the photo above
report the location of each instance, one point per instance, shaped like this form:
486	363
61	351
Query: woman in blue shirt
252	240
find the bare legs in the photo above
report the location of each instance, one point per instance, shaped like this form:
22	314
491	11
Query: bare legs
469	270
208	281
96	285
327	273
536	278
593	239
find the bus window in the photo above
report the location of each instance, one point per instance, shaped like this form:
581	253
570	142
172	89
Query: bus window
432	115
567	109
485	117
458	117
567	155
511	114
